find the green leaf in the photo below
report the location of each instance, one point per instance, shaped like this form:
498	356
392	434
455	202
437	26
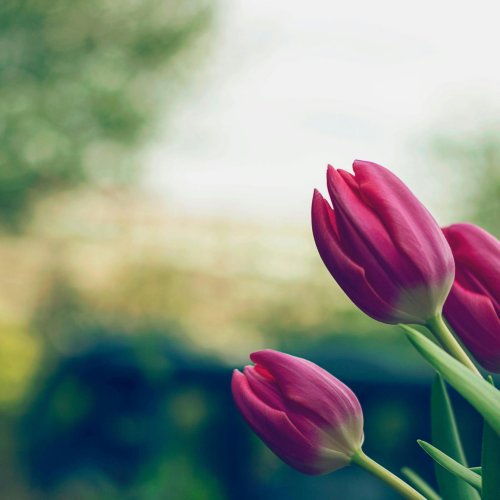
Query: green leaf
477	470
490	461
451	465
445	437
479	393
419	484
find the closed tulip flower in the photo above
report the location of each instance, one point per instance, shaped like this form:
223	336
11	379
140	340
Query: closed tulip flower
473	306
310	419
382	246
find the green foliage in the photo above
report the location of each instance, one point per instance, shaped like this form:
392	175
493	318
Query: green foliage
445	437
474	161
419	484
452	466
479	393
490	461
79	85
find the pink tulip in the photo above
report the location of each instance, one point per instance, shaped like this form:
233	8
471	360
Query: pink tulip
382	245
473	306
306	416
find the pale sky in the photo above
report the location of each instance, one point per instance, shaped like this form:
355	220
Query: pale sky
291	86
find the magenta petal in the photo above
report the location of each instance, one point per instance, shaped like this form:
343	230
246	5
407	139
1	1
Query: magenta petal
477	251
473	306
309	386
382	246
317	402
349	275
274	427
365	237
305	415
474	319
413	230
264	389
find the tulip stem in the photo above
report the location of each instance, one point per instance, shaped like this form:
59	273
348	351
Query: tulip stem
449	343
397	484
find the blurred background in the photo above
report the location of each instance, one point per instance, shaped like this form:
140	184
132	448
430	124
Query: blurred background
157	163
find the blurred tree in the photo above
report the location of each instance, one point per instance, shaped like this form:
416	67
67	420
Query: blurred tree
134	416
62	316
80	81
474	161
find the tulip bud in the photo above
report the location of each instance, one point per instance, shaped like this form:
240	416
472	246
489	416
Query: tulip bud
306	416
473	306
382	246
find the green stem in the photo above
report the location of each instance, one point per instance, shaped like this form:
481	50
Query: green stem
404	489
420	484
449	343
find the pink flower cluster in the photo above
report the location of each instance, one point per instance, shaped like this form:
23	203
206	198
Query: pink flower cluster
396	264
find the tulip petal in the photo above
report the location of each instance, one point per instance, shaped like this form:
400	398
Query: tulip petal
474	318
305	434
382	245
275	428
313	394
473	306
411	227
364	237
477	251
264	389
350	275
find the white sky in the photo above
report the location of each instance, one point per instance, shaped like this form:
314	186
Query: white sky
292	86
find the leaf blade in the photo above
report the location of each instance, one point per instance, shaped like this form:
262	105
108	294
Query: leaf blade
446	438
479	393
490	463
452	465
420	484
